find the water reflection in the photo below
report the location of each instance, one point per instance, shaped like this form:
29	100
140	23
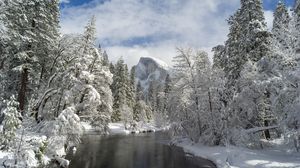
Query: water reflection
133	151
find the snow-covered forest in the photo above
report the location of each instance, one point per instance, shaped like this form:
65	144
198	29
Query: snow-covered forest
54	86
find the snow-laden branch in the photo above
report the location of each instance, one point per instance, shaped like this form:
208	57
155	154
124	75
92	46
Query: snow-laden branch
259	129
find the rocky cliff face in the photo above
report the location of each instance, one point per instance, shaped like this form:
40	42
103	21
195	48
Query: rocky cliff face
150	70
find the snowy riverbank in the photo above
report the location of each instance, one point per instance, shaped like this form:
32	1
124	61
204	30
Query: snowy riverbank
235	157
119	128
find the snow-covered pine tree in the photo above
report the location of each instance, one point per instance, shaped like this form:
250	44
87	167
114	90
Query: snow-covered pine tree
10	123
102	82
105	61
286	104
141	111
33	31
282	37
46	19
121	91
117	88
232	59
167	91
295	29
255	38
3	36
112	68
219	58
139	95
3	50
254	46
20	58
152	95
281	29
131	86
247	39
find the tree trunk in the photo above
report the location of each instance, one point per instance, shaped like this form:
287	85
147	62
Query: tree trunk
267	113
22	91
267	132
210	102
2	64
58	104
41	75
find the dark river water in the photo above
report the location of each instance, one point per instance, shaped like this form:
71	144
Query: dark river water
132	151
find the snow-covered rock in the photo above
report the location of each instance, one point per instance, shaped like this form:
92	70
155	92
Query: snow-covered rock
149	70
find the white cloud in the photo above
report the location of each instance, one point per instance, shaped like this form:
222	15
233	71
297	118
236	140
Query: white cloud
132	54
195	23
164	51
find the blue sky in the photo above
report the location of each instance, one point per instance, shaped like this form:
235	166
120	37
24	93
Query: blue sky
271	4
68	3
135	28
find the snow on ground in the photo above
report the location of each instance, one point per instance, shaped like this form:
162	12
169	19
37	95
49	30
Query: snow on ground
117	128
28	144
5	156
235	157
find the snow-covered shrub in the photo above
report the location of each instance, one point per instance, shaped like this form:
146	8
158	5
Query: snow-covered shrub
66	128
100	123
292	126
69	125
241	137
30	149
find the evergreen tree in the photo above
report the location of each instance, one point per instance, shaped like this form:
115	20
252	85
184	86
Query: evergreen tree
167	88
10	123
281	30
152	96
248	39
33	30
141	112
163	98
131	86
112	68
139	95
20	30
105	59
282	37
234	61
254	44
296	28
121	90
219	58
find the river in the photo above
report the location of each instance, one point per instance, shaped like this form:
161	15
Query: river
149	150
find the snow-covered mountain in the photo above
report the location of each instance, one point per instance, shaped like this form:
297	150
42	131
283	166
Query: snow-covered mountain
151	70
